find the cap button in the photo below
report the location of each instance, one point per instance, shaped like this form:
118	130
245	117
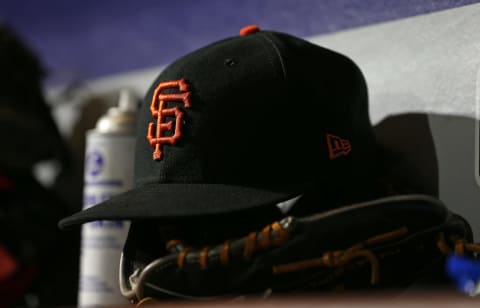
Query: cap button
249	30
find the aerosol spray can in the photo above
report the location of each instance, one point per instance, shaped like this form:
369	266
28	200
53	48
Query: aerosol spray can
109	160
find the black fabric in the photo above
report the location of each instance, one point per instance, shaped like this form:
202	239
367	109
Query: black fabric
46	260
27	129
261	108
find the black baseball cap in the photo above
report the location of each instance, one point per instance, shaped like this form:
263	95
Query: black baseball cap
243	123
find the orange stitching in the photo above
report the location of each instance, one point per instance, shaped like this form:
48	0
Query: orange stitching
388	236
172	244
181	257
337	146
341	258
160	112
300	265
459	247
265	243
282	235
472	247
333	259
374	265
224	253
442	244
250	244
204	257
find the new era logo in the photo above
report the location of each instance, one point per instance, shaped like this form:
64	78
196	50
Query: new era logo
337	146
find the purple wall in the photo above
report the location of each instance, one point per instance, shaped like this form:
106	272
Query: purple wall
93	38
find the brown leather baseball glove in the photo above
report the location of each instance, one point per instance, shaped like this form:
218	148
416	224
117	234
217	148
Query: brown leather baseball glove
388	243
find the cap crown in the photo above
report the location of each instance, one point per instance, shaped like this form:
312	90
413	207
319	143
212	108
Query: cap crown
259	111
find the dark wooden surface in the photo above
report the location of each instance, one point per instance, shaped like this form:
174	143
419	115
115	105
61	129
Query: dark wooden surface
412	299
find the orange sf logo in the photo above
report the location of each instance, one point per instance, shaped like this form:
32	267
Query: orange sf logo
159	110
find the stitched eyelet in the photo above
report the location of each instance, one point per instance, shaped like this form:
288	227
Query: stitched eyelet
230	62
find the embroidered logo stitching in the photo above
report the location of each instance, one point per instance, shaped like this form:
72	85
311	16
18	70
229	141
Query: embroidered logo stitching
337	146
160	112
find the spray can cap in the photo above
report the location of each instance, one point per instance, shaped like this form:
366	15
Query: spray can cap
127	102
121	118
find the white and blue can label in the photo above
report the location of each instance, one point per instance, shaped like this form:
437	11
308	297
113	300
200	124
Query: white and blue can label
109	163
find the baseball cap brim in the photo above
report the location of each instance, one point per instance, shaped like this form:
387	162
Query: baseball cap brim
170	201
